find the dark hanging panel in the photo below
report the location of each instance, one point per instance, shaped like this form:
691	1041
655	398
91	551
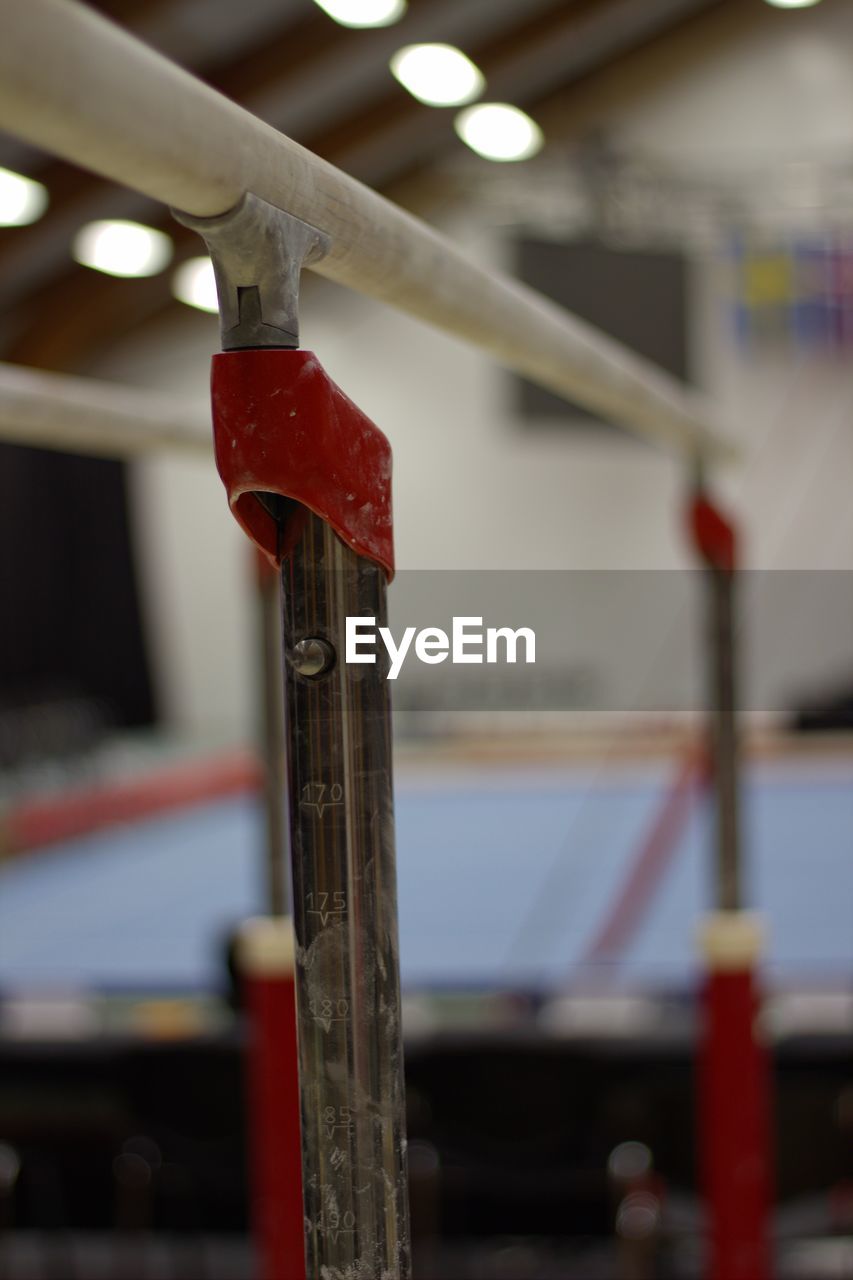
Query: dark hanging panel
639	297
72	650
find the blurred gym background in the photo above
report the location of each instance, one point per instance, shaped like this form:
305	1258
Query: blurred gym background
684	180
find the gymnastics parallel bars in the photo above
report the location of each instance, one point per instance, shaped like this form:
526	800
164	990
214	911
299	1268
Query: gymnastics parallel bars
84	415
74	84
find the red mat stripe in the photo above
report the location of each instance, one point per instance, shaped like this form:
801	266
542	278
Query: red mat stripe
652	861
33	824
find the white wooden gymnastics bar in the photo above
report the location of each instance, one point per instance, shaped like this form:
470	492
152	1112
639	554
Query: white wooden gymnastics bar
75	85
83	415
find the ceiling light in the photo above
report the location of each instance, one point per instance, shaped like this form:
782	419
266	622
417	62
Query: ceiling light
194	283
364	13
498	131
438	74
792	4
22	200
122	248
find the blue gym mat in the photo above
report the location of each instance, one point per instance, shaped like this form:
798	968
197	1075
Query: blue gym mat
504	878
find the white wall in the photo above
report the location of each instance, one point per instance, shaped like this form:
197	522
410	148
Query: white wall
471	489
774	112
195	564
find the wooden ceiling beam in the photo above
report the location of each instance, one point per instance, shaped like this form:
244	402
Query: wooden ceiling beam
70	186
89	311
128	11
82	304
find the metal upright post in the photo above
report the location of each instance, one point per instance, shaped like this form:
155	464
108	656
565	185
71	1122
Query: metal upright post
725	739
308	477
734	1077
342	829
271	736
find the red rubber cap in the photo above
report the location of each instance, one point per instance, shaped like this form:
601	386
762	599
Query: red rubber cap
282	426
713	535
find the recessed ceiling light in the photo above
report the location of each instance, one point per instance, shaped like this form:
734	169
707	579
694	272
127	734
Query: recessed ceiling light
498	131
438	74
364	13
122	248
792	4
195	284
22	200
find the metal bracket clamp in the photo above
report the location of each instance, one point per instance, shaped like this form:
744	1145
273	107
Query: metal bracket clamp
258	252
309	442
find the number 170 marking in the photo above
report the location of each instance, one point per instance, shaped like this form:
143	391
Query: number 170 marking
321	796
